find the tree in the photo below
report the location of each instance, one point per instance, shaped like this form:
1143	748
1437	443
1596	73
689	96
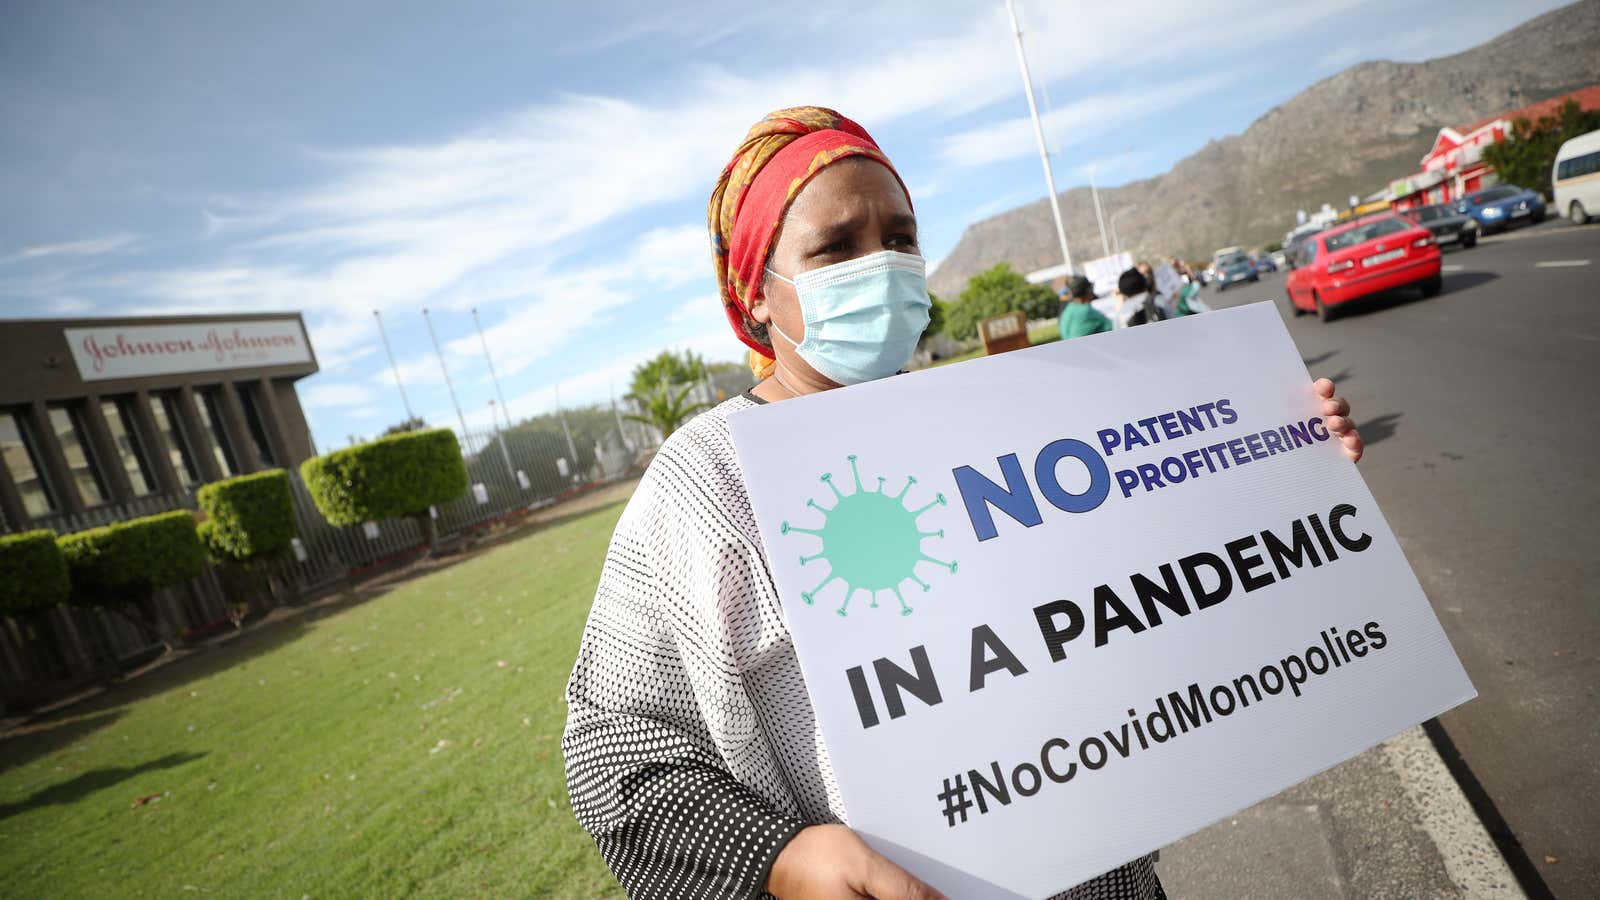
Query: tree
938	315
996	291
667	367
399	475
249	524
1525	158
1272	247
415	423
666	408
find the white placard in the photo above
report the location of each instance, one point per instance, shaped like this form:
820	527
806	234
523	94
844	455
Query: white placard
1168	282
480	492
522	480
370	529
299	547
1011	733
561	466
117	351
1105	271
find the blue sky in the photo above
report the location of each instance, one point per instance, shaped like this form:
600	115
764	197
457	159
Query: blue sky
549	164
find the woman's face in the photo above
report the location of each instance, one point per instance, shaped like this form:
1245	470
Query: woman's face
852	208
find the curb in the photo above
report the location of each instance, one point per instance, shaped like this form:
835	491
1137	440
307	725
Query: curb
1471	857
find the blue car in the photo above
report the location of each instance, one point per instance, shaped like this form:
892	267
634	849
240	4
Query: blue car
1500	207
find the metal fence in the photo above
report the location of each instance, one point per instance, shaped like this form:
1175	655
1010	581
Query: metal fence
47	653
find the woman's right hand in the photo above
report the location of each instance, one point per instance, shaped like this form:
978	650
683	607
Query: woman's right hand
831	862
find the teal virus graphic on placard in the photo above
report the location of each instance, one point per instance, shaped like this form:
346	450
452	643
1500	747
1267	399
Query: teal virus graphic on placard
870	540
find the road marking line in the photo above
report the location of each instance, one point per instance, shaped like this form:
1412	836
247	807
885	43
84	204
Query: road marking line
1452	268
1560	263
1470	857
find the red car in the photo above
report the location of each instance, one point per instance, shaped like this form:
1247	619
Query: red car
1353	260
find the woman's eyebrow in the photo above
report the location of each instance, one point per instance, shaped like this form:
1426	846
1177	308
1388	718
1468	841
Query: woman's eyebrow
903	220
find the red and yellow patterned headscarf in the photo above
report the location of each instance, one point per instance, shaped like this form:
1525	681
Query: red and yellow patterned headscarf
774	161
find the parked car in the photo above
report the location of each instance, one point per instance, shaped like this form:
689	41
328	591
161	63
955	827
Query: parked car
1265	264
1447	225
1361	258
1498	208
1280	259
1234	269
1576	178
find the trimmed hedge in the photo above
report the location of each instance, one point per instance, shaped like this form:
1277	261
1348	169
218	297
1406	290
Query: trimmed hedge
33	573
399	475
247	518
125	562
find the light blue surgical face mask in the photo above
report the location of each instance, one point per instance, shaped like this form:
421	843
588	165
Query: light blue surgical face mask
863	317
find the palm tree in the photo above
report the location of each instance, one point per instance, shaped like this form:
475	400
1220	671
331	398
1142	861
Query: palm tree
666	408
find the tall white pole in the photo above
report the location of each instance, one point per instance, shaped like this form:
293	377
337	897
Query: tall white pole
1105	246
460	417
1116	241
504	409
404	400
1038	133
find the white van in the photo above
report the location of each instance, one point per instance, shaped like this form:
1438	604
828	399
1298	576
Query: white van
1576	178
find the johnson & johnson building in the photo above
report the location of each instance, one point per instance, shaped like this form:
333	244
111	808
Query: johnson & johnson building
132	414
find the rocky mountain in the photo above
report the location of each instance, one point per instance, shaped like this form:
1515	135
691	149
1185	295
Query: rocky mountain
1348	134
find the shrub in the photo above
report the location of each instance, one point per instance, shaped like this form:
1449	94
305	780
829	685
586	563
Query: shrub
121	566
399	475
248	518
997	291
33	573
249	522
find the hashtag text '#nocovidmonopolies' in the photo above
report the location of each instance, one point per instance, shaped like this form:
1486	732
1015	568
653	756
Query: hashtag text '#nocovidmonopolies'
1060	761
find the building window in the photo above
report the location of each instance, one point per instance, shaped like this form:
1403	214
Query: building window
21	453
165	409
255	424
211	416
67	423
119	420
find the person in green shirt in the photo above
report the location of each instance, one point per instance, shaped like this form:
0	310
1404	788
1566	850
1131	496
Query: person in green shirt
1078	318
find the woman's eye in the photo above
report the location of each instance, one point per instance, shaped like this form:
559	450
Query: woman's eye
831	249
903	240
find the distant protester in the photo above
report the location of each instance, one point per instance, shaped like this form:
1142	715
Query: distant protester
1078	318
1135	304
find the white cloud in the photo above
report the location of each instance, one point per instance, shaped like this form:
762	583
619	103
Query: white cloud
1094	119
340	394
87	247
705	309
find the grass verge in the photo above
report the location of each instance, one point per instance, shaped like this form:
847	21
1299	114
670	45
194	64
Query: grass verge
406	745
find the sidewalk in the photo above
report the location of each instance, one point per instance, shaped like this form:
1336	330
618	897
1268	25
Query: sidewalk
1388	823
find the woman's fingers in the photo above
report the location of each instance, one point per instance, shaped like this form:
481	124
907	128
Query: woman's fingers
887	881
1323	387
1336	406
1353	445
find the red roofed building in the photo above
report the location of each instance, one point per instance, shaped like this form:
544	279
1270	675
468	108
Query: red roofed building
1455	166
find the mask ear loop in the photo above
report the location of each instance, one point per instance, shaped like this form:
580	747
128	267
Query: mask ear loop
773	323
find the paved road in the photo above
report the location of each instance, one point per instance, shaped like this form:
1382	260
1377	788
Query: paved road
1482	420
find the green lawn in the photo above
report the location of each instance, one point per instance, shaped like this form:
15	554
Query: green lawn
408	744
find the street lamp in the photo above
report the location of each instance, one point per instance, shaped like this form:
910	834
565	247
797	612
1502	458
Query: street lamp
1099	217
1038	134
1116	241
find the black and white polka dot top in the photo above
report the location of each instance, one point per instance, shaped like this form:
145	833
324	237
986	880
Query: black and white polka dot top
692	750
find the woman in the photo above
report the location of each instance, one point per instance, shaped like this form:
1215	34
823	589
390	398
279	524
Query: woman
693	753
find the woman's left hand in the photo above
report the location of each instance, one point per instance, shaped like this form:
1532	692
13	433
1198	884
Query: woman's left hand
1336	415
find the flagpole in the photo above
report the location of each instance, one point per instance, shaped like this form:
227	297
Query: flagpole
460	417
1038	133
504	409
393	367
